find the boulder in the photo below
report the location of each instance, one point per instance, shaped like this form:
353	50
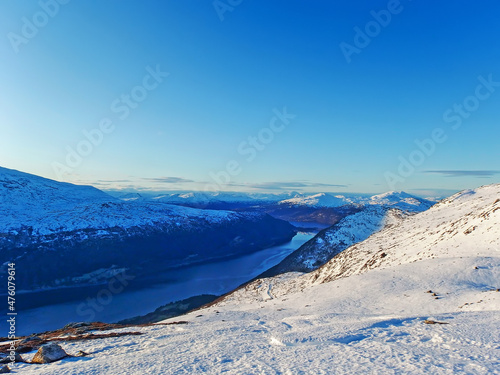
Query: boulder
4	358
30	339
49	353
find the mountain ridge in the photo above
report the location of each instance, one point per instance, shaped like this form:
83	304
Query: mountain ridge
59	232
435	233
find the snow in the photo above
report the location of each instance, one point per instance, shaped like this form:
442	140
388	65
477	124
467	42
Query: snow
200	198
343	327
392	199
348	231
48	207
318	200
360	313
401	200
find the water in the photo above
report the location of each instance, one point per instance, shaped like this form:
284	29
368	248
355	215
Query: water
41	311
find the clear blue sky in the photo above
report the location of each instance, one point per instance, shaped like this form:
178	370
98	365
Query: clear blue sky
68	68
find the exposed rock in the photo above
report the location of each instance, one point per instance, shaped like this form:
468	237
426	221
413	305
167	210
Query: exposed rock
4	358
30	339
49	353
21	348
429	321
77	325
4	369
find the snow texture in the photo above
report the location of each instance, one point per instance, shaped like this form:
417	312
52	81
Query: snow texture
364	312
47	207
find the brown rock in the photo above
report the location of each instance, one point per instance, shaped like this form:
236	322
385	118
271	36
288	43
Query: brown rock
49	353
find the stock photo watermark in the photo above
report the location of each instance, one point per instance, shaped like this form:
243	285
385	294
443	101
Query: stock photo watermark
104	297
121	107
455	116
250	148
11	310
31	26
365	35
223	6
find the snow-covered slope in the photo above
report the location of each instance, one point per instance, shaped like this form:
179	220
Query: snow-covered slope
392	199
420	297
47	207
127	197
185	198
331	241
371	215
465	225
218	198
59	232
318	200
27	199
401	200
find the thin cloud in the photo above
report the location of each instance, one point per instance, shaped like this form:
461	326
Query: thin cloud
280	185
465	173
169	180
115	181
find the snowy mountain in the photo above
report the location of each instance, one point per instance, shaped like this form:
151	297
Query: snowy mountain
392	199
298	208
418	297
186	199
372	214
131	197
30	200
400	200
219	199
318	200
46	207
465	225
59	233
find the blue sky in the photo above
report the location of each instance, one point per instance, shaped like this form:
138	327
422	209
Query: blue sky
169	92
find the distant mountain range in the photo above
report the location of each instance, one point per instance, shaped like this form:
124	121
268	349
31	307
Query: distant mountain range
394	199
67	235
62	234
320	208
465	225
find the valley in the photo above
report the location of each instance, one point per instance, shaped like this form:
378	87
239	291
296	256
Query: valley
42	311
421	295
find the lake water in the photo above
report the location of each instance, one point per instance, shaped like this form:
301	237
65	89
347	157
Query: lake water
39	312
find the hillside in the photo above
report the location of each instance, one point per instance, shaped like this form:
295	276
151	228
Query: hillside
463	225
333	240
420	297
61	234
